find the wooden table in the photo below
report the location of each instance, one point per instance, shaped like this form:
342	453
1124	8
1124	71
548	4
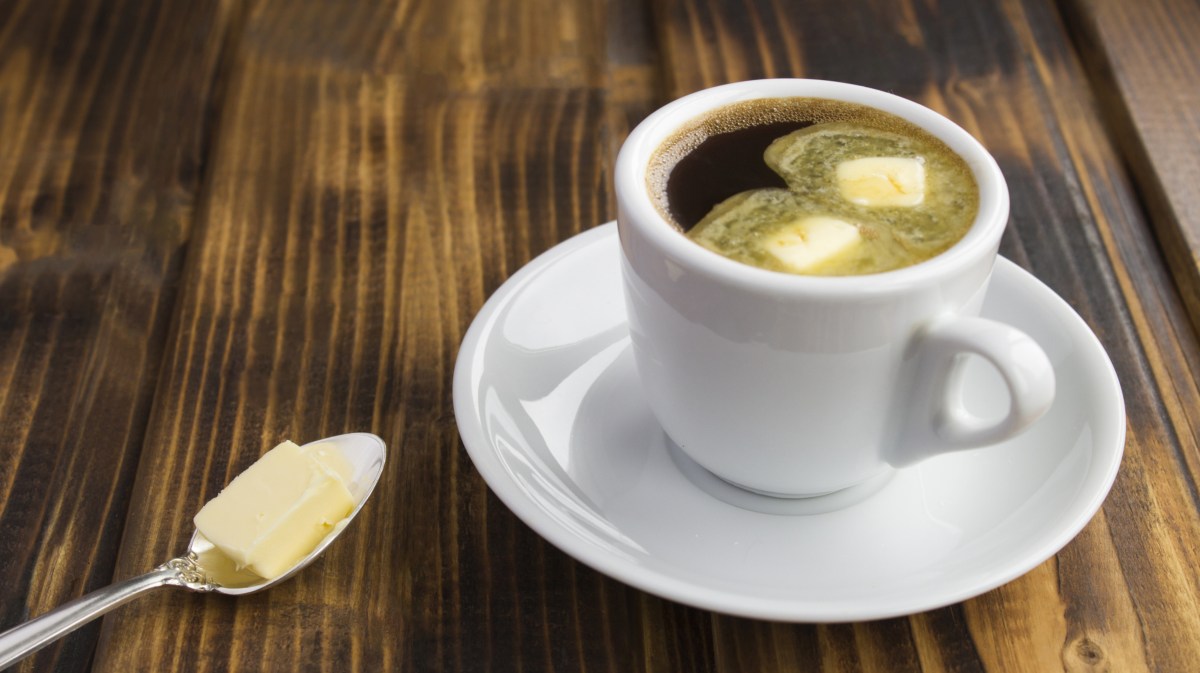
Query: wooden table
228	222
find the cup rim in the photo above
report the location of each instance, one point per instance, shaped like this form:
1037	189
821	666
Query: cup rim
638	210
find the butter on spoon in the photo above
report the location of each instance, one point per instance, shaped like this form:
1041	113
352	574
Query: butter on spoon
280	507
335	475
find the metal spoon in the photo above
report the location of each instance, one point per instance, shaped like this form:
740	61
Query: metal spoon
203	568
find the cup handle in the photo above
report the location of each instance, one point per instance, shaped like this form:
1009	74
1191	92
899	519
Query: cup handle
934	420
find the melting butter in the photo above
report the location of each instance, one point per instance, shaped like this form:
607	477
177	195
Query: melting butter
812	241
882	181
278	510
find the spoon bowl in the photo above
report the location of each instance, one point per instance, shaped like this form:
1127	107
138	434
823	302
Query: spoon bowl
204	568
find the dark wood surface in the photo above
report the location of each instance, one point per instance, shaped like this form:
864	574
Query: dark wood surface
227	222
1145	67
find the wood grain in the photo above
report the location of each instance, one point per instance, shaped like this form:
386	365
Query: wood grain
1152	513
1145	65
103	137
371	186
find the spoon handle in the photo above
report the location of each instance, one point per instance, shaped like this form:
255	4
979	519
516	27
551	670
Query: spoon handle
22	641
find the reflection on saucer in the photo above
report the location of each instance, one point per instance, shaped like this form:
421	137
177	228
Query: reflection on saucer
756	502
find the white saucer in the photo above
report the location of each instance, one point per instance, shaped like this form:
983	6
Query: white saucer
550	409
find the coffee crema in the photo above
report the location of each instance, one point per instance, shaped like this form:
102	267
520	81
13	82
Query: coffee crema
813	186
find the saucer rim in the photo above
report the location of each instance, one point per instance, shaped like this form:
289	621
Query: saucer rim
731	602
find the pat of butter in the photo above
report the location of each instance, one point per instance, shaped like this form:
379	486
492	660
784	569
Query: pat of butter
806	243
280	508
882	181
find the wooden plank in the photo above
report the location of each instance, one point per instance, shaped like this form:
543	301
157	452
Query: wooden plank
1145	65
103	130
380	170
1009	74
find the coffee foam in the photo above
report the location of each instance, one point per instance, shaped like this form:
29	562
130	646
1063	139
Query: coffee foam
738	116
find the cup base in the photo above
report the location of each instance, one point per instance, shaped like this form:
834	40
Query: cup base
768	503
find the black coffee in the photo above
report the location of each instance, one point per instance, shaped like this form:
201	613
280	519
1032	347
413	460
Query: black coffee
813	186
721	166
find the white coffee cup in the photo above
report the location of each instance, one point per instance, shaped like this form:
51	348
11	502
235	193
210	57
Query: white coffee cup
797	386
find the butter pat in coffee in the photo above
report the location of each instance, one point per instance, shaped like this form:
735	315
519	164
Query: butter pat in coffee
807	243
278	510
882	181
